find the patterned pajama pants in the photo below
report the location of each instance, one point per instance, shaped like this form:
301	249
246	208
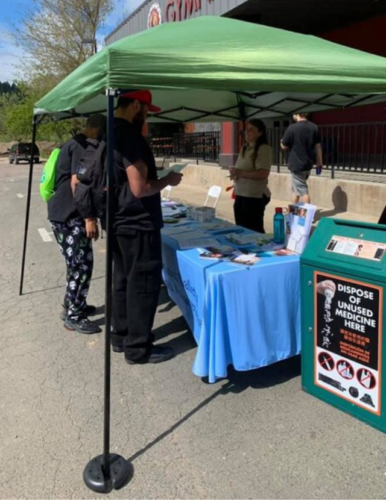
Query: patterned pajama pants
76	249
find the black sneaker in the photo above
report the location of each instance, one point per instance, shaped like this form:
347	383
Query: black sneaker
158	354
90	311
81	325
117	348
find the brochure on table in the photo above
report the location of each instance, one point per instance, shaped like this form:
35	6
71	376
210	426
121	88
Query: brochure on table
172	210
298	226
222	240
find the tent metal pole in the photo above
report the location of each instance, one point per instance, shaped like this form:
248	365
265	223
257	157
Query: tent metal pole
108	471
27	212
109	279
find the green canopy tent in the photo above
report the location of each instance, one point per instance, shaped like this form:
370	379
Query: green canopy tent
217	69
207	69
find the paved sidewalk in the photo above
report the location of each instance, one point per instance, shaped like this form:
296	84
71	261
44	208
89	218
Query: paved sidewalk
254	435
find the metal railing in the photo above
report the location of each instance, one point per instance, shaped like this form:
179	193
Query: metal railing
162	146
357	147
349	147
205	146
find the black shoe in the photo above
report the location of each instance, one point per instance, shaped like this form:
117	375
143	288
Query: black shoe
158	354
90	311
81	325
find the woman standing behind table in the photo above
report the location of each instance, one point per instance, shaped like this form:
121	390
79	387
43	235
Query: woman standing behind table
250	177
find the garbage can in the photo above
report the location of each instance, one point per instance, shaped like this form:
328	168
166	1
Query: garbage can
343	275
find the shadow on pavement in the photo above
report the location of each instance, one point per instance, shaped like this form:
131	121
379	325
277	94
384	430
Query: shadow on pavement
268	376
56	287
182	343
176	325
236	383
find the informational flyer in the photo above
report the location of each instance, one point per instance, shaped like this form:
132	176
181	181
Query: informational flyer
348	339
298	226
176	167
361	249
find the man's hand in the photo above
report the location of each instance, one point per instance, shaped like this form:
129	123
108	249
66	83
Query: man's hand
92	230
174	179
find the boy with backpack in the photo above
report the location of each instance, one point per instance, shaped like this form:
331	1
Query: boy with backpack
73	233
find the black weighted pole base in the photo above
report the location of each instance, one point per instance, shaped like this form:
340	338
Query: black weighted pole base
119	474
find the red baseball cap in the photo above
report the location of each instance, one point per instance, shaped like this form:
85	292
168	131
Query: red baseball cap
144	97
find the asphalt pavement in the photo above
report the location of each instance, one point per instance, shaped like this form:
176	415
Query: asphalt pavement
254	435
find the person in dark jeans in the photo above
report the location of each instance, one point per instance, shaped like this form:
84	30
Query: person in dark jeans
73	234
250	176
137	255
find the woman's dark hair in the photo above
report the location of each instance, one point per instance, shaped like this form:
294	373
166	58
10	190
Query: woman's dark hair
260	125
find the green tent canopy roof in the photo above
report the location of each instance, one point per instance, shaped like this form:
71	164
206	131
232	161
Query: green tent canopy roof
215	69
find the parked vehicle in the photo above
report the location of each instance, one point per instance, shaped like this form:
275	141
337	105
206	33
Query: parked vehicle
21	151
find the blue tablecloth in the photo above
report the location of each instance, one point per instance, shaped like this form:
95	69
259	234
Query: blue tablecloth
245	316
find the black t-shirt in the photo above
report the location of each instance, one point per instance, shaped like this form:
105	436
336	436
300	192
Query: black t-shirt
61	206
301	138
145	213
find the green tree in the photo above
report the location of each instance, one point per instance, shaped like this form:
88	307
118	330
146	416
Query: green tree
7	101
19	116
53	35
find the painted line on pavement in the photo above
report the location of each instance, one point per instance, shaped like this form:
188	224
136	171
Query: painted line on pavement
20	195
45	235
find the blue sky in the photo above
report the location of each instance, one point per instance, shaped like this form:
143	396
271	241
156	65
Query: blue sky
11	11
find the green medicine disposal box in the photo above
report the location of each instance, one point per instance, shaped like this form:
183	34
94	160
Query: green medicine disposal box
343	276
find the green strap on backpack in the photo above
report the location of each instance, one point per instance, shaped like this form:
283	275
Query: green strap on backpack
47	181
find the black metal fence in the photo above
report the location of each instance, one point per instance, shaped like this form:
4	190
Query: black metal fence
162	146
357	147
205	146
346	147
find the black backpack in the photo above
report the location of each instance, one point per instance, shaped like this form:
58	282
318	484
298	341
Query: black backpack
90	193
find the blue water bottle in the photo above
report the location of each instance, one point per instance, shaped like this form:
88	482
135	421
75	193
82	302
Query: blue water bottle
278	226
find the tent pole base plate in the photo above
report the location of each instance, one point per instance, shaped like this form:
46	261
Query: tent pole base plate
119	474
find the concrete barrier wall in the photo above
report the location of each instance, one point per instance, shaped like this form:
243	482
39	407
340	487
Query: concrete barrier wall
367	198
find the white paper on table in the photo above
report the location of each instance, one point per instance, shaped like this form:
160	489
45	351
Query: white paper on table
177	167
184	244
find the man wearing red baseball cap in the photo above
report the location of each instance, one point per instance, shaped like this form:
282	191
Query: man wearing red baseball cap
137	233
